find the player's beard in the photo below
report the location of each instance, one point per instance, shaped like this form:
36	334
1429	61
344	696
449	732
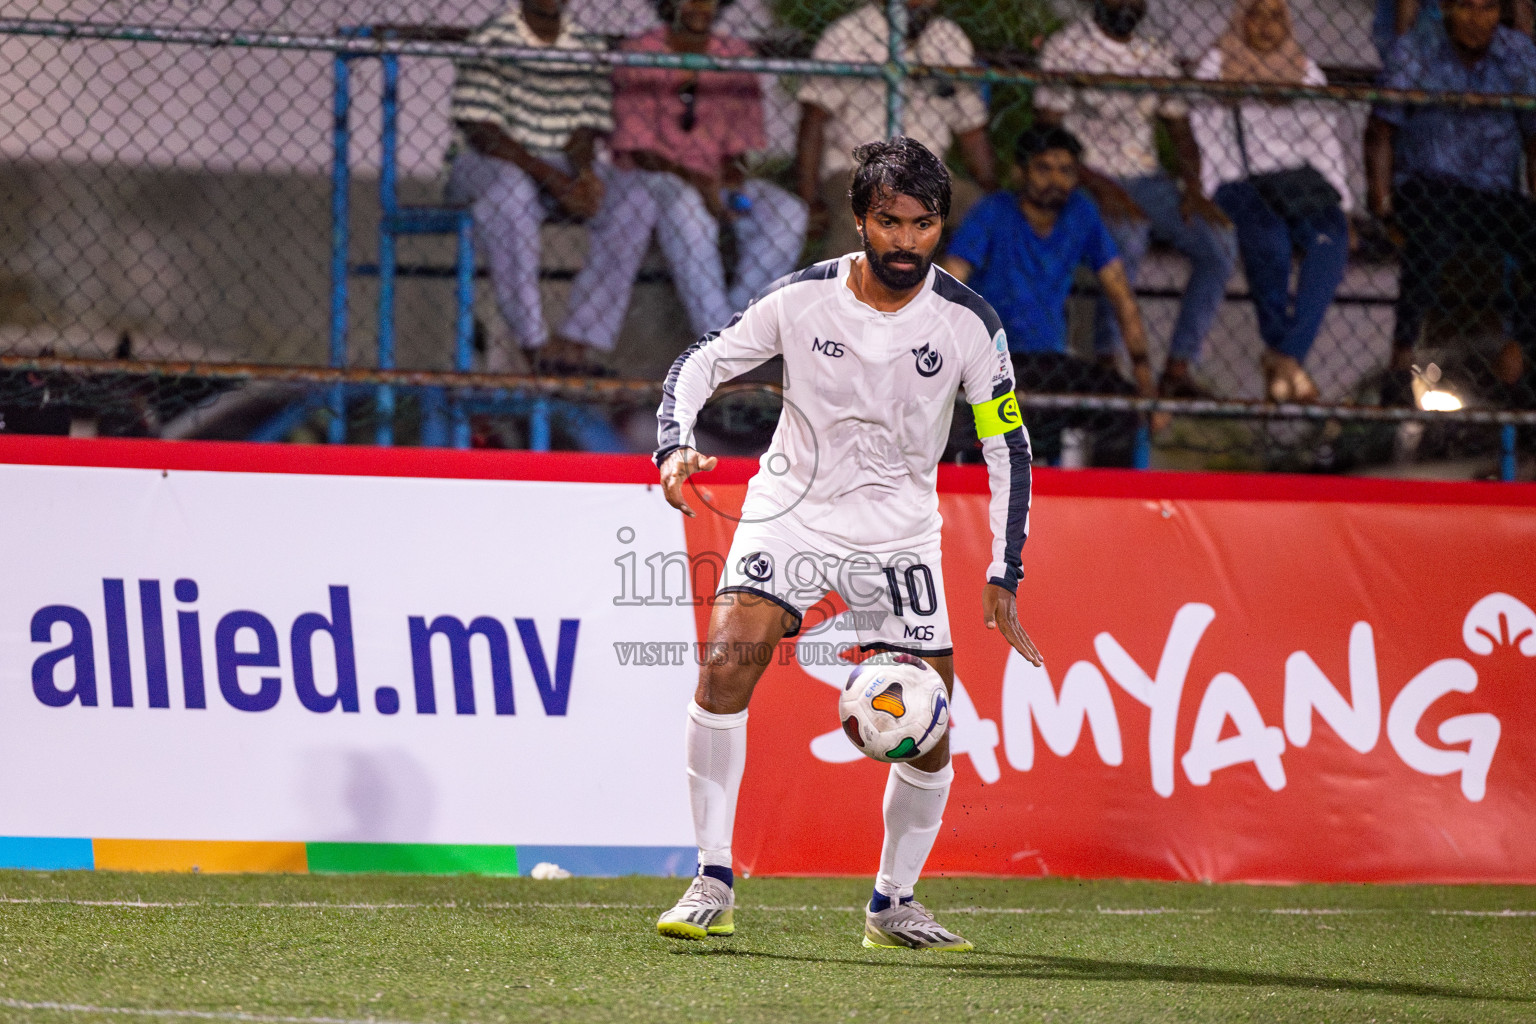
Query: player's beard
897	280
1053	199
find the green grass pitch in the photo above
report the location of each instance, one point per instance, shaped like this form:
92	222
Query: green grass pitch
97	947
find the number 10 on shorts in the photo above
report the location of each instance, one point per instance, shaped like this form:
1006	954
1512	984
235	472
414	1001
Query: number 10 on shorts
917	581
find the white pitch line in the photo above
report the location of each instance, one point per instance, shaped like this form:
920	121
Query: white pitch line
134	1011
770	909
1002	910
35	900
138	904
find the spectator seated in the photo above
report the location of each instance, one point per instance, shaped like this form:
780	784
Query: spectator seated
684	135
1448	177
1139	201
1019	250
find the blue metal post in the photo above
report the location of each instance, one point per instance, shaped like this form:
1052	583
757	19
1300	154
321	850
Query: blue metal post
896	70
434	417
341	241
538	424
464	330
389	208
1141	455
1507	462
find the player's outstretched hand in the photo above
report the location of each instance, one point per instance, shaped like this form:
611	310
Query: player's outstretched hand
1001	611
676	470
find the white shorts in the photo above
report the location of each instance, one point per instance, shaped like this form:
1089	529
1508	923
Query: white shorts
895	596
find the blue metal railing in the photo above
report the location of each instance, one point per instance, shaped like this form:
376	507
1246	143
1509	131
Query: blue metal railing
445	412
395	221
341	212
444	419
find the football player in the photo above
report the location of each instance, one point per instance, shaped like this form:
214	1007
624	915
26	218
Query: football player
876	346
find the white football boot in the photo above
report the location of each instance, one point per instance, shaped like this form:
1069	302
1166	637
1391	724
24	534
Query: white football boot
705	909
909	925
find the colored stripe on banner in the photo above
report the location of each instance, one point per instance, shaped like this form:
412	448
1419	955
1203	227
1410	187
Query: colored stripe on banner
42	854
412	858
194	855
613	861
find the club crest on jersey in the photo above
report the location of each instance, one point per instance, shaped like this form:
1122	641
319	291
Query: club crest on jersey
756	566
929	362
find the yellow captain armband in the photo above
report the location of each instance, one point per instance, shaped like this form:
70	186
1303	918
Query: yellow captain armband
997	416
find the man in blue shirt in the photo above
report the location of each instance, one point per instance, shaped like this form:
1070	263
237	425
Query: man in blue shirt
1448	177
1019	251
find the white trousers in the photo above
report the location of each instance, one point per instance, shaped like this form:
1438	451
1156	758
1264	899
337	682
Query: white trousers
509	208
768	241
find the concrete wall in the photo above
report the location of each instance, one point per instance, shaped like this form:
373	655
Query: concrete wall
236	266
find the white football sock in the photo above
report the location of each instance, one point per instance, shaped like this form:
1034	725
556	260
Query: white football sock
914	810
717	755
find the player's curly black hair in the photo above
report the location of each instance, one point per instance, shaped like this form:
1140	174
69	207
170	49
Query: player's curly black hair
666	10
899	166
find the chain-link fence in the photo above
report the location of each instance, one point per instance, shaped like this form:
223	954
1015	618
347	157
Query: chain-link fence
1303	235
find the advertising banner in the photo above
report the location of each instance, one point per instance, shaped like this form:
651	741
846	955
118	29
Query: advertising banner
336	659
242	657
1280	686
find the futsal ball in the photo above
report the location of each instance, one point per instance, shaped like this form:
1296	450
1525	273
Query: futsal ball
894	710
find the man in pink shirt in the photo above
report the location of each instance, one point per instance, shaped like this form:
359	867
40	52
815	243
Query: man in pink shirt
685	135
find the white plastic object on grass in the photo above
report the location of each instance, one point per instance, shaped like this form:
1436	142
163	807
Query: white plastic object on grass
544	871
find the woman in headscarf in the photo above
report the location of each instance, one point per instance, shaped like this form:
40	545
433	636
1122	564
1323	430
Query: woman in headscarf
1277	169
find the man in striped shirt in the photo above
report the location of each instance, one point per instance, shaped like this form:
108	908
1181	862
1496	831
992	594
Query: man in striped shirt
526	150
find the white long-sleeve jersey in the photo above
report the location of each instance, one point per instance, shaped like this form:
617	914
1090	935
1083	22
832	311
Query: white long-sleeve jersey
868	399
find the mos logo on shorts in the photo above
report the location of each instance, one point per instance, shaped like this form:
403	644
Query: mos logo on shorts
929	362
756	566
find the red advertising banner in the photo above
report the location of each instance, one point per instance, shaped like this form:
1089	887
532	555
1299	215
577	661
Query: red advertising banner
1268	680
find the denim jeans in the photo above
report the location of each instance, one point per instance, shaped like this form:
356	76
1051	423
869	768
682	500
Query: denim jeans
1212	253
1267	242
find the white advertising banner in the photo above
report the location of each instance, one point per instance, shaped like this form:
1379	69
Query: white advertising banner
241	656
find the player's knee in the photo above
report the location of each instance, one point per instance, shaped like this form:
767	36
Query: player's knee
933	763
725	685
